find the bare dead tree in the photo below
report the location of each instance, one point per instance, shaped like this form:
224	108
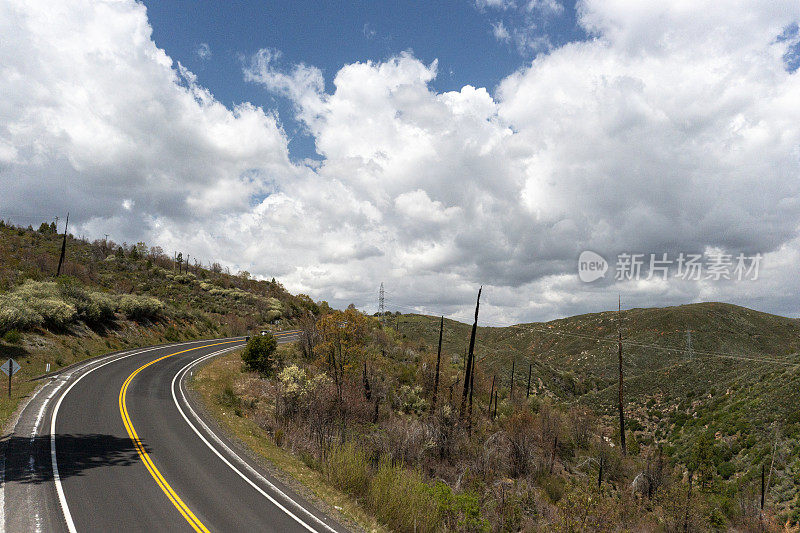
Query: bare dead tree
621	410
63	248
528	390
688	504
470	357
513	367
365	380
471	390
451	387
600	472
553	452
491	396
309	334
438	362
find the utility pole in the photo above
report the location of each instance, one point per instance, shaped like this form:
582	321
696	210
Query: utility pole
762	482
621	410
438	358
63	247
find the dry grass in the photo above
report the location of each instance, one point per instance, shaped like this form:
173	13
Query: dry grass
224	372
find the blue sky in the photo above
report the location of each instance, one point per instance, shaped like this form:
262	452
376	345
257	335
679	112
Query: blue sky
329	35
647	136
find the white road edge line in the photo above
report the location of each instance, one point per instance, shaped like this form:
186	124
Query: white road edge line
249	468
56	478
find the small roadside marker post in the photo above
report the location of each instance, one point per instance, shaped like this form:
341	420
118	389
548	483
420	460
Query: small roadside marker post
47	368
10	367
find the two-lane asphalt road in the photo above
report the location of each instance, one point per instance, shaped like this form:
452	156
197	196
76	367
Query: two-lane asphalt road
115	445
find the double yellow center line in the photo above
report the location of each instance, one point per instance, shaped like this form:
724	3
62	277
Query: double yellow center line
190	517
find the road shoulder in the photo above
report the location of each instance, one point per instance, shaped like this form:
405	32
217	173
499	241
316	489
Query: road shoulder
253	443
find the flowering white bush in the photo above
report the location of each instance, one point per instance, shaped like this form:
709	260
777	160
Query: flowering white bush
33	304
140	306
297	387
16	314
411	400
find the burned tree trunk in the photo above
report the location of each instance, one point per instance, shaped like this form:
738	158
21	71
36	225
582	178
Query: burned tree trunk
513	367
63	248
528	389
438	362
491	396
471	390
365	379
688	504
600	473
621	410
470	357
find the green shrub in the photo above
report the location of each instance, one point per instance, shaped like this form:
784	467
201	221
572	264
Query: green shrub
140	307
461	511
726	469
401	499
259	354
106	305
51	304
93	308
411	400
56	313
272	316
228	398
554	487
17	314
348	469
12	337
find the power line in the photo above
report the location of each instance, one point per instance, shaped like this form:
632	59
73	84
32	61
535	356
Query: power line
724	355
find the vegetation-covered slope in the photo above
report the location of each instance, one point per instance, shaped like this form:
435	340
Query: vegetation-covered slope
112	296
735	379
723	409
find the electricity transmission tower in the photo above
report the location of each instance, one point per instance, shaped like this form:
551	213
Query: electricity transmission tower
381	301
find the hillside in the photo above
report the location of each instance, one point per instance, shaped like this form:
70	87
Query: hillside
725	407
116	296
739	382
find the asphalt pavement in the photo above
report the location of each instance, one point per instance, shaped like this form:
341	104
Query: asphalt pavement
131	452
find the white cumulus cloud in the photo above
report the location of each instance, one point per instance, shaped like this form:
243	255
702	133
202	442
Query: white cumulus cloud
675	128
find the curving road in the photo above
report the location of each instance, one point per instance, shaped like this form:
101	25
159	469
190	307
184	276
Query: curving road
114	445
